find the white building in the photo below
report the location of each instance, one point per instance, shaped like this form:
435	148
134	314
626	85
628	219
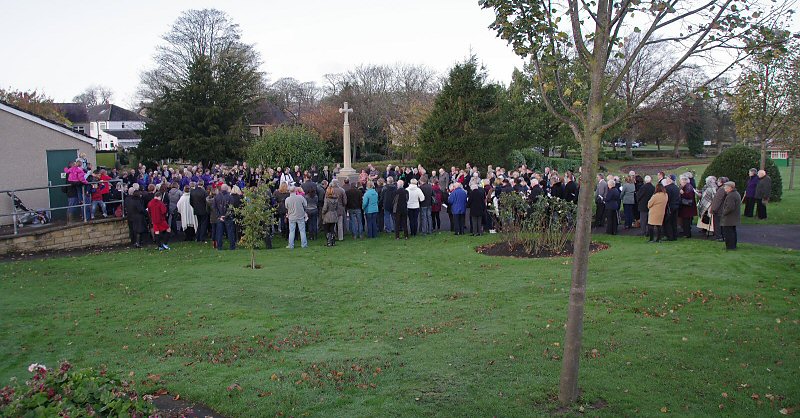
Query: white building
115	127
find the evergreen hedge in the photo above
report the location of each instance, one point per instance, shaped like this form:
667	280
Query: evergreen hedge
734	164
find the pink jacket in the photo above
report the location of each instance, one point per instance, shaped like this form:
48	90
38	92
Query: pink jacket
74	174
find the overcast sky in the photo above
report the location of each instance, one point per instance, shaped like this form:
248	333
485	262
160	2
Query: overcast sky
61	47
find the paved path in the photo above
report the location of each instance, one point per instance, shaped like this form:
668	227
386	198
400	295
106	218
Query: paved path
782	236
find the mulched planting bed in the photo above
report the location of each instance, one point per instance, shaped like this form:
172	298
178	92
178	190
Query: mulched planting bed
503	249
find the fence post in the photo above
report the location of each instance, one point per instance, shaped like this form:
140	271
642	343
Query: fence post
83	207
13	204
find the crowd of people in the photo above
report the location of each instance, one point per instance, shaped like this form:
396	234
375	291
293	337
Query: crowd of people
660	207
198	202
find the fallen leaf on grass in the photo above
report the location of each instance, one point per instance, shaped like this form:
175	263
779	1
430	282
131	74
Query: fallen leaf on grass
234	386
177	397
154	377
274	377
262	394
160	392
664	409
786	411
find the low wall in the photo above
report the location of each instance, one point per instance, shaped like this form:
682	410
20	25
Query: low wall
99	233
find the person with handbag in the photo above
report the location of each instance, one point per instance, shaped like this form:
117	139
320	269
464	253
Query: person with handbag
330	215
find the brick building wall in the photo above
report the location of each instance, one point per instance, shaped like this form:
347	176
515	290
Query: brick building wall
100	233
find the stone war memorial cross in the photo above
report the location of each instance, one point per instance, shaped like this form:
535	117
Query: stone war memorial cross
347	171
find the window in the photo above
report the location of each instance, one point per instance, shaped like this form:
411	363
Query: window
779	155
78	128
102	125
123	125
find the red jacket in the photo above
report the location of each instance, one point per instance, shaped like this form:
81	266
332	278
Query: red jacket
158	215
102	188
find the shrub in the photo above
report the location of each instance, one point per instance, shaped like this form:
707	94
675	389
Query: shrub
288	146
544	226
64	392
734	164
564	164
536	161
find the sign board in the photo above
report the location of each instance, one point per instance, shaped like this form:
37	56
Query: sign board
706	143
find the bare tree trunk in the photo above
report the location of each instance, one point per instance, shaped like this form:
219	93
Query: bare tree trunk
719	137
253	258
568	384
791	172
679	139
763	163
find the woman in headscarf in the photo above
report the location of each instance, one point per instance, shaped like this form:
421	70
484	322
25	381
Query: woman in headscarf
706	197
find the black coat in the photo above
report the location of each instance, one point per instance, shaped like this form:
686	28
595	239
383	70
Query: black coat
476	202
387	196
674	196
643	196
402	201
197	198
427	191
571	192
136	215
535	192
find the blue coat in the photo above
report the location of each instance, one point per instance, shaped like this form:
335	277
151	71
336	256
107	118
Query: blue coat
458	201
370	201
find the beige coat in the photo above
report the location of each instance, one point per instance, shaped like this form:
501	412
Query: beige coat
657	205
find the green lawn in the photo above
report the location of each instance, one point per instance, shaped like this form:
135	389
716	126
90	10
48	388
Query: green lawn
424	327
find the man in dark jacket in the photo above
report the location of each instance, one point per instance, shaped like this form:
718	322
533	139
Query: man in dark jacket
400	210
673	204
476	202
197	198
643	196
716	207
731	209
353	205
387	197
763	189
222	201
535	192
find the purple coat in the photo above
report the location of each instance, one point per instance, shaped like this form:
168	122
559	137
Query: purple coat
751	187
688	211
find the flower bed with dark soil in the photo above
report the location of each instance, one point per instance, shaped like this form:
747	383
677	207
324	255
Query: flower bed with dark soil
503	249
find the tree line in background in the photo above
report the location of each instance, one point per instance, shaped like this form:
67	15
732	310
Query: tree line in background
206	88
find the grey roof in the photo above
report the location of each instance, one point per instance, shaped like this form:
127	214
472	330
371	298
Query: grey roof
64	129
267	113
113	113
124	133
74	112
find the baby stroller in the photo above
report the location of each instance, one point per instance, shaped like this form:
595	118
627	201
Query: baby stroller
26	216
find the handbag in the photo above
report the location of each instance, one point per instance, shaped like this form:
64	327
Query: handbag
706	219
687	202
